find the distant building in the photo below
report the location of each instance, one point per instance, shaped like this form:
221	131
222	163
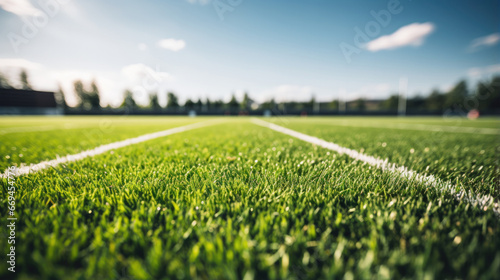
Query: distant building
28	102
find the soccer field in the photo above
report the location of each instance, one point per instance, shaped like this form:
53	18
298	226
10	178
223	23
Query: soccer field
252	198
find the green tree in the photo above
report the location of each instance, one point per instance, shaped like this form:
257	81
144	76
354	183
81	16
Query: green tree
233	103
269	105
391	103
25	84
416	103
435	101
189	104
310	104
218	104
93	96
199	104
153	101
60	97
4	82
172	101
495	93
128	100
456	96
246	102
80	93
359	104
488	94
333	105
208	103
295	105
87	99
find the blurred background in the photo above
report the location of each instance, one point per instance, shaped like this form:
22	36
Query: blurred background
241	57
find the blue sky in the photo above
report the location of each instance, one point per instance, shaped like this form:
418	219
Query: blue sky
289	50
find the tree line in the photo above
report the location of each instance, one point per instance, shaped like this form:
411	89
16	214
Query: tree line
23	80
485	96
190	104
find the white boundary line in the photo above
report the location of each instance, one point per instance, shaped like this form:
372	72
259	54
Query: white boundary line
483	201
26	169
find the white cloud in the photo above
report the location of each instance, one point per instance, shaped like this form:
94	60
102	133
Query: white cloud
172	44
19	7
482	71
484	42
410	35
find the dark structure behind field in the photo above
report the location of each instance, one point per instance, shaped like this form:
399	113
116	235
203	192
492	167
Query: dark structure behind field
28	102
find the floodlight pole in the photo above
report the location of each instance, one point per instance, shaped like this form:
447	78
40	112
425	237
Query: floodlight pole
316	107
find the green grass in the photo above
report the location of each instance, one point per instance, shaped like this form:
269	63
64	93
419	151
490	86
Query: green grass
447	121
239	201
465	158
24	143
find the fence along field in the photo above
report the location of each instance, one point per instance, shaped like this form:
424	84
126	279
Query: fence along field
237	200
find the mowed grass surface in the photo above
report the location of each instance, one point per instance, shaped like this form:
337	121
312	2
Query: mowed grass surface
464	158
409	122
29	140
237	201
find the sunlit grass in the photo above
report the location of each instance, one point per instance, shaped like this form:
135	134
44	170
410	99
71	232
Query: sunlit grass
236	201
34	142
463	158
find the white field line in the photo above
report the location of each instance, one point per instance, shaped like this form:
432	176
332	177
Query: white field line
424	127
483	201
26	169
